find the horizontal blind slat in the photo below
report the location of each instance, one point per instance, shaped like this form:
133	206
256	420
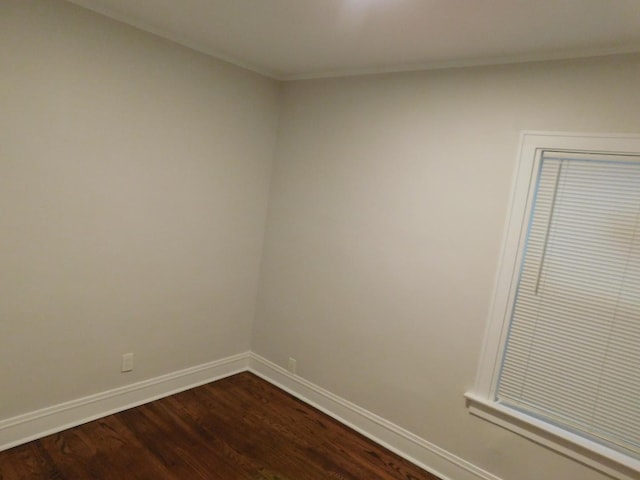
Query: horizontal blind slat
572	352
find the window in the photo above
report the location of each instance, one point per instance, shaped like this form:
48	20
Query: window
561	360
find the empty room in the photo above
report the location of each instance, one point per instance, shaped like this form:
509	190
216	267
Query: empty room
304	239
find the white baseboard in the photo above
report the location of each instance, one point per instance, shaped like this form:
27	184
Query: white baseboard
406	444
33	425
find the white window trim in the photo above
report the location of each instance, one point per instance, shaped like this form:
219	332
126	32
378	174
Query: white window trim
481	399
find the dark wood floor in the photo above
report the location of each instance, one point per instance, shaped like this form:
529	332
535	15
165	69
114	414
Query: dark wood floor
239	428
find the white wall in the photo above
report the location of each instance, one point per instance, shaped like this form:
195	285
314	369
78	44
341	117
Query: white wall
134	177
387	212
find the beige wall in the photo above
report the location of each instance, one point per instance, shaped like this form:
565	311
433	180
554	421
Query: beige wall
134	177
387	211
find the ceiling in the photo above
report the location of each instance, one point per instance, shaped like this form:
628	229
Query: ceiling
292	39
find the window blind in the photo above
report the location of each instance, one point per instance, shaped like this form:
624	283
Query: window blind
572	355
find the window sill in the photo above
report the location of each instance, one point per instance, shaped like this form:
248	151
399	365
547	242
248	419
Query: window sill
597	456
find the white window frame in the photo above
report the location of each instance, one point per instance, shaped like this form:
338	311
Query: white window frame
481	400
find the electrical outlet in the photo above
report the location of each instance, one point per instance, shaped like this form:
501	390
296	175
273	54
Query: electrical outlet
292	365
127	362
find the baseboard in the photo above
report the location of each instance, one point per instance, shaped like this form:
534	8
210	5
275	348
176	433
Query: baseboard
406	444
33	425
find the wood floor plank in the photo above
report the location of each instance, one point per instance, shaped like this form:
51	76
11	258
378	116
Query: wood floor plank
27	462
104	449
267	441
188	454
239	428
219	424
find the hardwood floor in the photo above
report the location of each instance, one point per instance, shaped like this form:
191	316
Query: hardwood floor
239	428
